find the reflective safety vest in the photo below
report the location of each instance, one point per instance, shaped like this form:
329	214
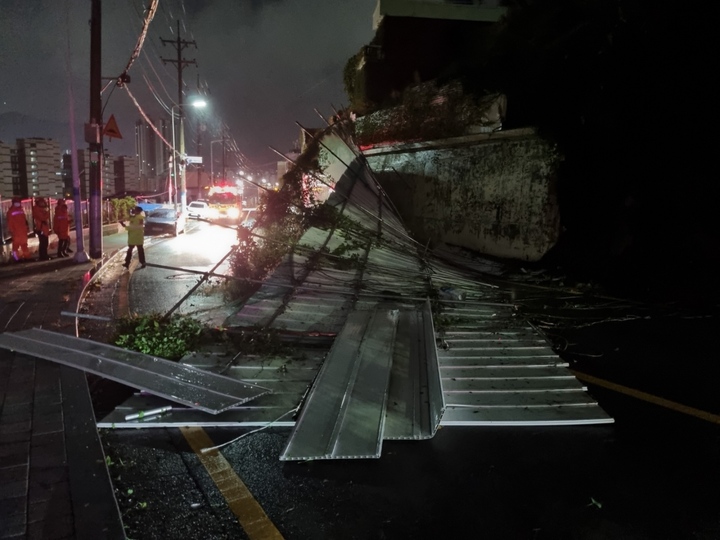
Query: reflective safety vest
41	219
136	230
61	223
17	223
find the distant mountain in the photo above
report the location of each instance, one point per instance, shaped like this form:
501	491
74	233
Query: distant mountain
17	126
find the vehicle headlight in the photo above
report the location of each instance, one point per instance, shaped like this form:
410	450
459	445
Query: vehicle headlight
233	213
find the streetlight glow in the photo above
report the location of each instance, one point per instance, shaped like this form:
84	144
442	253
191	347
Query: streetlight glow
179	154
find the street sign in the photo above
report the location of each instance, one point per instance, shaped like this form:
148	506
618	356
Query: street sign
111	128
193	159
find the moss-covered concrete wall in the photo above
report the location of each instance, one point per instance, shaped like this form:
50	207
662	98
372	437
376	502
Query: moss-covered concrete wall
493	193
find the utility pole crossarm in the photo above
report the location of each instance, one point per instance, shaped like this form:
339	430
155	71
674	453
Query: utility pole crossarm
181	63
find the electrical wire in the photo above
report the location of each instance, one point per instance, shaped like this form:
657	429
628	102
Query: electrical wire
236	439
148	121
150	14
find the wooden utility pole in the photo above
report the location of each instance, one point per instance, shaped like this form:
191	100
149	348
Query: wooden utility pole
181	63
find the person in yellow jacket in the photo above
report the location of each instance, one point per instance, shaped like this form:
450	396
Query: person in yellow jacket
18	227
136	236
41	223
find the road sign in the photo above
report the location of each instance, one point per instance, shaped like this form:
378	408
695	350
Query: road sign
111	128
193	159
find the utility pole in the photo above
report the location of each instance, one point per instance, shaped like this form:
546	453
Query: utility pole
94	134
200	127
180	63
199	169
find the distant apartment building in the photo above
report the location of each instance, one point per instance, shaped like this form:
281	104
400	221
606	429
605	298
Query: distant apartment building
119	174
126	174
83	173
31	168
153	154
163	155
145	148
8	170
108	175
39	164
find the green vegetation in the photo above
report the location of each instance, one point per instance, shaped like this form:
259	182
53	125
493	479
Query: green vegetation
170	338
424	112
284	216
119	209
354	82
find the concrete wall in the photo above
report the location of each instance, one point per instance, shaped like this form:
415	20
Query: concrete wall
491	193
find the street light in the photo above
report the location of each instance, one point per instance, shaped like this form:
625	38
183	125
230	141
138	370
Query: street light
180	152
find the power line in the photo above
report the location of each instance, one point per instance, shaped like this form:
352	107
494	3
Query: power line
180	62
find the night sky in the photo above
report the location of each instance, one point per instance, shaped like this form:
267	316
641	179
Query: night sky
262	65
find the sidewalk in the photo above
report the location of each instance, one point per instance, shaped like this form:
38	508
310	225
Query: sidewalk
110	231
54	481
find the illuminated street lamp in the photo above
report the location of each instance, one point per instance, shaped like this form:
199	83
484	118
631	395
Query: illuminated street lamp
179	154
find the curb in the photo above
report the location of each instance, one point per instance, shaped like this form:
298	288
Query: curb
96	273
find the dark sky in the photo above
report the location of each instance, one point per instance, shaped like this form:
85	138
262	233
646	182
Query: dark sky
263	65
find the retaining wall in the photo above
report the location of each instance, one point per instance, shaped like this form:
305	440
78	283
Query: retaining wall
492	193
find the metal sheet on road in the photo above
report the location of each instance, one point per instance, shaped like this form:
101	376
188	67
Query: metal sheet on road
177	382
345	410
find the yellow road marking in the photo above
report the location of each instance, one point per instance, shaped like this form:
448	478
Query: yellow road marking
252	517
662	402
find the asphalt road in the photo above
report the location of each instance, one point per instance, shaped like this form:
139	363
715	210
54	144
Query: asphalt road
200	249
654	474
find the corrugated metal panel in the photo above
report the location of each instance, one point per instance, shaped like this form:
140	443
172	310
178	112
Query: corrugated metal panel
415	404
344	413
497	370
177	382
288	379
314	313
492	366
269	409
548	415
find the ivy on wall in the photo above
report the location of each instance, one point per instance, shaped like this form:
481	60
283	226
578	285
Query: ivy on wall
426	112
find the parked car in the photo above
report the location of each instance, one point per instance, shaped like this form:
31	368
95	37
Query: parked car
165	221
201	209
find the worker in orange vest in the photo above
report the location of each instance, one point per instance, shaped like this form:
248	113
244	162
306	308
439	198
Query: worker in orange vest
18	226
41	222
61	226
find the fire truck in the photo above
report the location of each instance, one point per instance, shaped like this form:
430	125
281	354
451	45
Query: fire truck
225	200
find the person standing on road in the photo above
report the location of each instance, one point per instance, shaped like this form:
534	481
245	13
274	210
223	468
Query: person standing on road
18	227
41	222
136	236
61	226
